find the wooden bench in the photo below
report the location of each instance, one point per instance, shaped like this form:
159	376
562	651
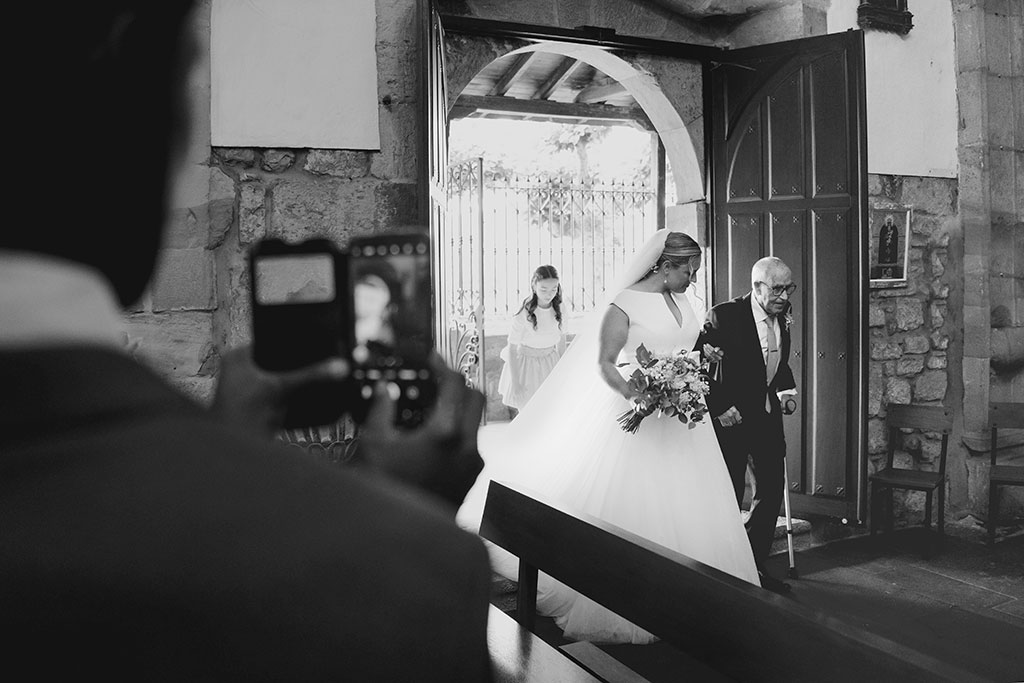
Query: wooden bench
519	656
734	628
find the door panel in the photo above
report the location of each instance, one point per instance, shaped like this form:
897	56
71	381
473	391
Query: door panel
740	246
745	183
830	112
787	174
828	341
786	240
786	137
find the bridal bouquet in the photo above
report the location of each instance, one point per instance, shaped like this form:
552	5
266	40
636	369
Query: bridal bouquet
671	385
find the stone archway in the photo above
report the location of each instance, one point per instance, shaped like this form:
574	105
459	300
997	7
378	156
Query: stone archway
469	56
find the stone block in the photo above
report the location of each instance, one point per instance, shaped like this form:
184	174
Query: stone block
398	59
937	314
997	36
252	219
236	156
930	386
973	160
968	25
338	163
937	259
399	143
909	365
908	314
573	14
874	186
629	19
174	345
680	82
876	387
395	205
936	196
889	368
977	329
523	12
322	207
917	343
915	266
184	280
877	437
1001	186
940	342
936	361
277	160
885	350
976	269
976	393
876	314
897	390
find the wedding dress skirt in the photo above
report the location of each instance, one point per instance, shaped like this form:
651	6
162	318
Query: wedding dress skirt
665	482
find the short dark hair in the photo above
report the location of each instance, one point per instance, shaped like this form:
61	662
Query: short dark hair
113	75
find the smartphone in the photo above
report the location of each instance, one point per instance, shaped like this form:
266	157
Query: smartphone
392	337
300	316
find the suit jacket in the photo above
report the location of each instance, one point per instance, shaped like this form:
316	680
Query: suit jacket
141	539
741	377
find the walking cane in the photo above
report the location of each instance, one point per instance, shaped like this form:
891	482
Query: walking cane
789	406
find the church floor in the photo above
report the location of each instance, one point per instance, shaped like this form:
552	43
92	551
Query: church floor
964	604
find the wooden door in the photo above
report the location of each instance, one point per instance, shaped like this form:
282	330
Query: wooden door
457	288
788	179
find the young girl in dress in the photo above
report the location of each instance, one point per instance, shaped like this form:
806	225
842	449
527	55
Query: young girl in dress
535	342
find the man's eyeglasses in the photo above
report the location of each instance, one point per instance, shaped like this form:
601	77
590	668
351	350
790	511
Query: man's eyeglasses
779	290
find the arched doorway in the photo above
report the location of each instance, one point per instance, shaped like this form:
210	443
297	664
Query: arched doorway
473	75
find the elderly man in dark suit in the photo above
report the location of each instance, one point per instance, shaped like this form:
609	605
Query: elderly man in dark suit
145	537
752	333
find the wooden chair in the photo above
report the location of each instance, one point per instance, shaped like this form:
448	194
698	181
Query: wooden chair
1000	416
926	418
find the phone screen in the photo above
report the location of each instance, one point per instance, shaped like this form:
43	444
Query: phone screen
389	281
294	279
390	303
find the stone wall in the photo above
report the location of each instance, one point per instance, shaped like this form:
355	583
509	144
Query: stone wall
913	328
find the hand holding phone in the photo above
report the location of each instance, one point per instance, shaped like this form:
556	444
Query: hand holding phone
440	456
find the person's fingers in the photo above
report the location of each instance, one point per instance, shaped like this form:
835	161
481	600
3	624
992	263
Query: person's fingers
331	369
381	415
451	386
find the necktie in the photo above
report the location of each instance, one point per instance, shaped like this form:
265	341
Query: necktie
772	362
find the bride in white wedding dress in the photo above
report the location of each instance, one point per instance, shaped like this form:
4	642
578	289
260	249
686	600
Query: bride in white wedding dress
665	482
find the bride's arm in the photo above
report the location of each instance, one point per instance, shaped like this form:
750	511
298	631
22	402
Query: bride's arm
614	331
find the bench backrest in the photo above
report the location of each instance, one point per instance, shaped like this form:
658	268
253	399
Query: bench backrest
738	629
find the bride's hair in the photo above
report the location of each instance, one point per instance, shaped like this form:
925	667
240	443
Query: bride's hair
679	249
530	302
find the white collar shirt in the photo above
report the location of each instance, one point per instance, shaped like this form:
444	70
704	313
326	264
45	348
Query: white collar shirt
47	301
763	322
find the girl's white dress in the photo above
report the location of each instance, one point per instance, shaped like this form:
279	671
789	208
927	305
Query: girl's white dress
666	482
537	351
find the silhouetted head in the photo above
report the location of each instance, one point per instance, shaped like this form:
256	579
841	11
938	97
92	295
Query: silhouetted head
95	125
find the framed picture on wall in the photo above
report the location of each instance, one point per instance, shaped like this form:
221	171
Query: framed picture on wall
889	230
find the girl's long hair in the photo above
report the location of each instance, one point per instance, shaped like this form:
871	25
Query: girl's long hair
530	302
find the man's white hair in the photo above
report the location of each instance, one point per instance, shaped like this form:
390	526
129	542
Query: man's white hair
769	265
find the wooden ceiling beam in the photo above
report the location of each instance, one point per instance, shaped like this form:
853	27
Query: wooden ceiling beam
556	78
513	72
600	93
481	105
